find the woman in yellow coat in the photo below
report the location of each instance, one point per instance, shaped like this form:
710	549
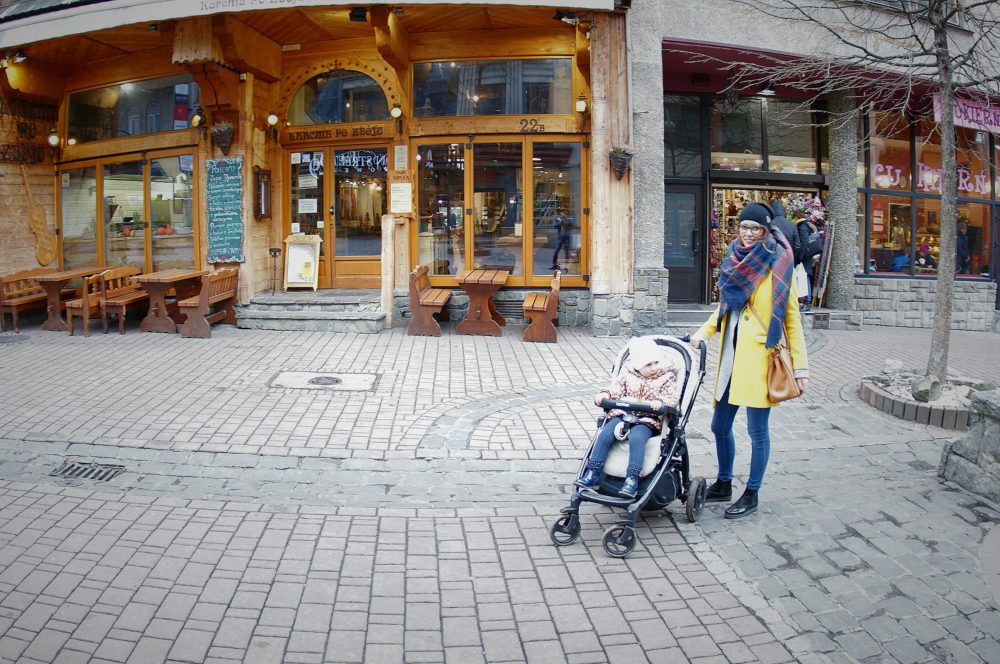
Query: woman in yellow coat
757	304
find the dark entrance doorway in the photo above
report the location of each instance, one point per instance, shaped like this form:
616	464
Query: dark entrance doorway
682	241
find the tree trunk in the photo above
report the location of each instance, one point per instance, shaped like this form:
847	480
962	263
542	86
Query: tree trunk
937	363
843	200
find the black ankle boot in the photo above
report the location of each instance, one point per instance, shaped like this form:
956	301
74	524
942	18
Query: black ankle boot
746	505
719	491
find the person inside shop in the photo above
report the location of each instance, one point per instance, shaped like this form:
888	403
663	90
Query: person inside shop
924	258
757	302
564	225
900	263
962	254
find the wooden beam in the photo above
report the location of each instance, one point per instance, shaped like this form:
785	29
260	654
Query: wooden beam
33	80
491	43
391	39
130	145
143	64
247	49
195	42
219	88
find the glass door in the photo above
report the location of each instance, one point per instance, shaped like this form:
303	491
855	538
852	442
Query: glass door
441	207
308	208
497	207
125	223
171	212
360	195
682	234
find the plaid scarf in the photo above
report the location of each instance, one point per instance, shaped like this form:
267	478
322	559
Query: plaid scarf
745	267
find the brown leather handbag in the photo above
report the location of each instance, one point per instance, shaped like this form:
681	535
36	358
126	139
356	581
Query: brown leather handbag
781	383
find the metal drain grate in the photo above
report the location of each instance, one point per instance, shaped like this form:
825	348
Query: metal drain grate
510	308
84	470
325	380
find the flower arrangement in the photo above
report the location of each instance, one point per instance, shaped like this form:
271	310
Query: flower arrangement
621	159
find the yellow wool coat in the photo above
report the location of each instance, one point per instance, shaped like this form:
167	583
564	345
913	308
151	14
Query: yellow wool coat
749	382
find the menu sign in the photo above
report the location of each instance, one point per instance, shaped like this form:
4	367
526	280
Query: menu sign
225	209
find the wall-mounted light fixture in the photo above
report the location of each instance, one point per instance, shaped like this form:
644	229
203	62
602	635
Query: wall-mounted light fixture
358	14
397	112
581	104
566	17
272	123
70	141
54	144
199	121
19	57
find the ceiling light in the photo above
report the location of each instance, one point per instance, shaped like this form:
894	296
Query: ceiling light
566	17
19	57
358	14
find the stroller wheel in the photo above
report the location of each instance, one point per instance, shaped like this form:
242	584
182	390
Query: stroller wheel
696	498
619	541
565	530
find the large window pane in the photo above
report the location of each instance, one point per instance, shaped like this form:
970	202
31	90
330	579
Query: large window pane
890	151
971	154
496	207
360	195
338	96
682	136
890	243
172	212
306	188
492	87
928	240
79	217
791	144
976	219
441	203
736	135
556	190
130	109
124	226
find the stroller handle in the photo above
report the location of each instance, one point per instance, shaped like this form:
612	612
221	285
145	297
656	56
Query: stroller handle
703	351
637	406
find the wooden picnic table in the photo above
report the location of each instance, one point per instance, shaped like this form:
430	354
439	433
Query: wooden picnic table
185	284
483	317
53	283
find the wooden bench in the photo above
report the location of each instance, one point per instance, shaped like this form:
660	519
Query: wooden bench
119	291
425	302
20	291
87	306
217	290
541	309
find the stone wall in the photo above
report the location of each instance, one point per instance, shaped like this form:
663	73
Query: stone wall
910	303
642	312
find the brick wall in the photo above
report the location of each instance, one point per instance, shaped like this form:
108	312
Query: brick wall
910	303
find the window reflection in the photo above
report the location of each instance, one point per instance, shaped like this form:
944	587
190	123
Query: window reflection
556	191
132	109
890	234
78	197
496	207
360	195
124	224
736	135
890	152
791	146
682	135
338	96
172	212
441	203
492	87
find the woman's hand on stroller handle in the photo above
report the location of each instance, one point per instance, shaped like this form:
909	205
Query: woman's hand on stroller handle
654	408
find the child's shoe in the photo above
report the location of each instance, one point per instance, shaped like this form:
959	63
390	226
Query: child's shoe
591	475
630	486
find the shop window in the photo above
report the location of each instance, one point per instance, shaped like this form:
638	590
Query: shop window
890	151
497	207
114	111
557	202
441	207
171	212
359	182
737	141
928	237
125	227
891	224
972	156
791	140
859	263
492	87
78	214
338	96
153	116
976	220
682	136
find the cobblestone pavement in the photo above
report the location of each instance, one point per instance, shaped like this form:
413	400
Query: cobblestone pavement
408	523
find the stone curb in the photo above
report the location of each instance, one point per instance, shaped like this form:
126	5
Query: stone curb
910	411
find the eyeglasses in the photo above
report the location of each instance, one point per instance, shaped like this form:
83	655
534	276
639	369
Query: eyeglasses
753	229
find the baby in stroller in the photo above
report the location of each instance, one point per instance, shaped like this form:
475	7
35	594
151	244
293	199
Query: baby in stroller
648	376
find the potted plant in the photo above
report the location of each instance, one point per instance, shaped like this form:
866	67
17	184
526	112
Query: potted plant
222	135
621	159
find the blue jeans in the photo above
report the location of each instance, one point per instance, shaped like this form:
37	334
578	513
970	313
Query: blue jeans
725	444
638	434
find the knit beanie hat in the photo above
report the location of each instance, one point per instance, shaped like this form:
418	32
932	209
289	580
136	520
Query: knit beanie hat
757	212
642	351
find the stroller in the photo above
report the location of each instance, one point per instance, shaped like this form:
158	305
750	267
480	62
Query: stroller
666	467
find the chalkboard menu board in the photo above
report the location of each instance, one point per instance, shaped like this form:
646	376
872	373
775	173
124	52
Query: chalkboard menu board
225	210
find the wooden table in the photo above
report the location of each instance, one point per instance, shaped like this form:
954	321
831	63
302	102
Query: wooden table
483	316
184	283
53	283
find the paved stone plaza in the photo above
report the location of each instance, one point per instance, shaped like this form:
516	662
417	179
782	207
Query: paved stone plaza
406	519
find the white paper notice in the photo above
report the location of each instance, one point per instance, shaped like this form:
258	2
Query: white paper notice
401	195
308	205
401	157
296	228
320	223
296	157
308	182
